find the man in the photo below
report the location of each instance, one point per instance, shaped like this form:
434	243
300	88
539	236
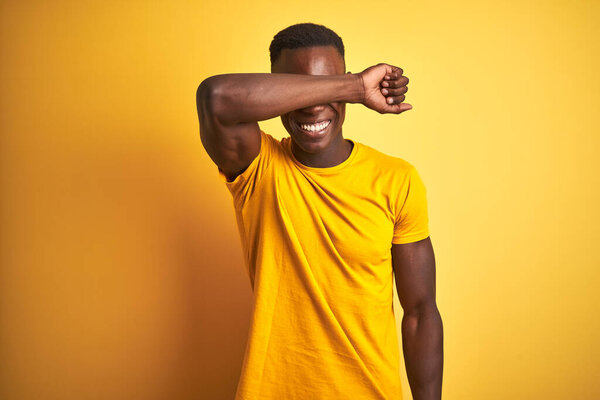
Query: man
325	223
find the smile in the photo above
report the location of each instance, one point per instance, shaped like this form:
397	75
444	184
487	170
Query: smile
317	127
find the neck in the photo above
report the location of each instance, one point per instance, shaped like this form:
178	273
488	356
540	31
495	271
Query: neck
336	153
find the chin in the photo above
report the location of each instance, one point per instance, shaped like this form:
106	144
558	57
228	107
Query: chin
312	145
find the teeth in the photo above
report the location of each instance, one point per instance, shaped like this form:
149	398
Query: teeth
315	127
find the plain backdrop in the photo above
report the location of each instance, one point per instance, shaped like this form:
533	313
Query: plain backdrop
121	272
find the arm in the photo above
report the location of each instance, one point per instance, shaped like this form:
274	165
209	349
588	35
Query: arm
230	105
422	331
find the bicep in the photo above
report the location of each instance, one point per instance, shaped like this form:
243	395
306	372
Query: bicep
231	146
414	270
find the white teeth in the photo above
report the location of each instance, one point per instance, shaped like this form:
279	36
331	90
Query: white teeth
315	127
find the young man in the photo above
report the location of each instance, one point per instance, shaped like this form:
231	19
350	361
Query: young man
325	224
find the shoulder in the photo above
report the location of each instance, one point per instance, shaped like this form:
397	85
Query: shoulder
273	141
268	138
271	146
385	165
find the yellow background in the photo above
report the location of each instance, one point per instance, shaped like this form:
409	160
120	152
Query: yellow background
121	270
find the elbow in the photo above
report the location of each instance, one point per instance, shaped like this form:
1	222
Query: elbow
207	95
212	102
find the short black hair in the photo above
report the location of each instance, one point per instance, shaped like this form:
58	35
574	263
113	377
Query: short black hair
304	35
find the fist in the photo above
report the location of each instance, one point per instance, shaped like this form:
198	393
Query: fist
384	87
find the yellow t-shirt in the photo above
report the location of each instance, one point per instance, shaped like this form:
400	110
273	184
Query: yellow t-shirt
317	244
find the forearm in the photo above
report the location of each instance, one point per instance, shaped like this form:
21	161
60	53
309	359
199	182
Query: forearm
422	342
239	98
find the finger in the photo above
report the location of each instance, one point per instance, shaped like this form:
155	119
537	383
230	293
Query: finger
397	70
394	92
397	83
389	69
395	99
399	108
394	75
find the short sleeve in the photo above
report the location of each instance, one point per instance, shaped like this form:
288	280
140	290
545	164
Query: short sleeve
244	185
412	219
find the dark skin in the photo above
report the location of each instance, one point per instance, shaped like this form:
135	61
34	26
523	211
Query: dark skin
332	149
310	85
422	329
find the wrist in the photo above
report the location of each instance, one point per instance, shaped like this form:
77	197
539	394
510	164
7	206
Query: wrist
358	89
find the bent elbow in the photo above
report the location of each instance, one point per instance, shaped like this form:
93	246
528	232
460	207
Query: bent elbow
212	101
207	94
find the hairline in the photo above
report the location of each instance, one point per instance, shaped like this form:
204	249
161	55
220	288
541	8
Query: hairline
310	47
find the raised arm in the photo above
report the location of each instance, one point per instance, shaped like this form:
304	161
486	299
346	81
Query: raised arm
230	105
422	331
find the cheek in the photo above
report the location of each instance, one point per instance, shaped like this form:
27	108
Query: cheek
341	112
285	121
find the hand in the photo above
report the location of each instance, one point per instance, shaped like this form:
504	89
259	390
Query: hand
384	89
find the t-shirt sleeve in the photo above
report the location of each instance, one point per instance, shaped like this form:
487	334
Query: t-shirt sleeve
244	185
412	219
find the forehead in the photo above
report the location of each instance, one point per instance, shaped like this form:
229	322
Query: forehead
320	60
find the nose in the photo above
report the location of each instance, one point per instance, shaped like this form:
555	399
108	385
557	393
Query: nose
313	109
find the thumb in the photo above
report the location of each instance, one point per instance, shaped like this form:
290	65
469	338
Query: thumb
399	108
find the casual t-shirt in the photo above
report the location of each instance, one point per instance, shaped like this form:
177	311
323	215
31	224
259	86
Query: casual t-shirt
317	245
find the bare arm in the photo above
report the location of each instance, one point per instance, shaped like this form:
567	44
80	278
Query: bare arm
230	105
422	330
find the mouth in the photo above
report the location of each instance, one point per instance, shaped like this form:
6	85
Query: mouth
314	129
